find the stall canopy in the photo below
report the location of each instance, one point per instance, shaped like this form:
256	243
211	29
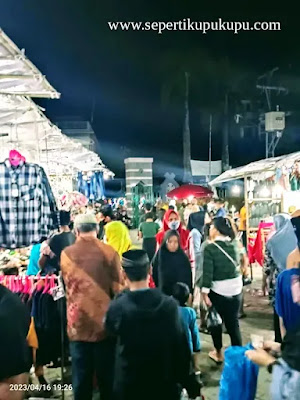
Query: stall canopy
265	166
24	126
18	76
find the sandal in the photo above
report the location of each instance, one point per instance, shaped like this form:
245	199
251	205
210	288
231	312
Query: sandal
212	355
203	329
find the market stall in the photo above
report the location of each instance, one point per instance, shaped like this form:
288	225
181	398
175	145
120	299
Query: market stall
271	186
24	126
19	76
30	145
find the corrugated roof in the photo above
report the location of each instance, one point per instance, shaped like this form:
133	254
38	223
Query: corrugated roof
18	76
257	167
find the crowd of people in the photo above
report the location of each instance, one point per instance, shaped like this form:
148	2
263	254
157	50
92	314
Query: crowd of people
132	315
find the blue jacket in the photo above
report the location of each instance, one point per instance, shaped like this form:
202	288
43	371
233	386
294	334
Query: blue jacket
189	319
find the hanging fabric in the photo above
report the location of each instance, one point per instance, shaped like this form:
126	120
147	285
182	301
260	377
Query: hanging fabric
91	186
37	294
100	182
28	208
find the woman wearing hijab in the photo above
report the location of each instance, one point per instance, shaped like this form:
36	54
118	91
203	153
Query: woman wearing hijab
172	222
287	299
117	236
278	247
116	233
293	259
171	264
196	223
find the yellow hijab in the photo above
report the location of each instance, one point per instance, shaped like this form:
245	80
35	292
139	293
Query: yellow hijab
117	236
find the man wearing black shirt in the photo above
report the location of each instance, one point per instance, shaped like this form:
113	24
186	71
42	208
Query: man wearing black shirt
152	355
50	260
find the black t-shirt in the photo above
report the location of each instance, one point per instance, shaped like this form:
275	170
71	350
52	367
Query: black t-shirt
57	244
60	241
14	327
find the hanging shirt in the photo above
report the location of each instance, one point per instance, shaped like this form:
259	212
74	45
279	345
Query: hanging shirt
27	205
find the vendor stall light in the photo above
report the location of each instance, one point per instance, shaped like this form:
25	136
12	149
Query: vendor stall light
236	189
265	192
277	192
105	176
190	198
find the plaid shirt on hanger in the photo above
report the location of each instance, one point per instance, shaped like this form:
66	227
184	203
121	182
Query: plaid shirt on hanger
27	205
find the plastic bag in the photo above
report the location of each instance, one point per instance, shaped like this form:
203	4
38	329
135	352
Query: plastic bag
239	376
213	319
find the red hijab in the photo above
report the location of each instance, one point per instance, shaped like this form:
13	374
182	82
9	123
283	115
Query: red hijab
183	233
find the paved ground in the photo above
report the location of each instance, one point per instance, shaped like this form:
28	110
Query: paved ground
258	321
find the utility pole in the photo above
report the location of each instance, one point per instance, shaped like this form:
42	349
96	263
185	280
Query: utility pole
210	146
187	169
264	83
225	156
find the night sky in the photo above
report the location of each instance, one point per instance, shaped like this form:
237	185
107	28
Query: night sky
124	72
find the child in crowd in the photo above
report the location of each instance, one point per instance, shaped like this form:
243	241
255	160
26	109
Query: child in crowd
181	293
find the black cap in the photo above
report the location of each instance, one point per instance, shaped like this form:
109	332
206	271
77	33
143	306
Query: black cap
135	259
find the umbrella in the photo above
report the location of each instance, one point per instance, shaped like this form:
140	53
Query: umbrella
186	191
69	201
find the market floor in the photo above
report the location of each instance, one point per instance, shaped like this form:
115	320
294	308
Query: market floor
258	321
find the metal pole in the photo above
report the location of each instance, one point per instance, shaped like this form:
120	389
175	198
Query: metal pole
62	336
210	146
225	155
247	218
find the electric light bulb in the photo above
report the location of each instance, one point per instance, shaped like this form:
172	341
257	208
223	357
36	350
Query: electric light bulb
265	192
236	189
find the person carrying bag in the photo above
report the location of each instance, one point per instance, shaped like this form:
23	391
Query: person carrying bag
222	284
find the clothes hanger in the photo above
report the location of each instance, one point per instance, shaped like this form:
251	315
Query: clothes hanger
47	284
15	158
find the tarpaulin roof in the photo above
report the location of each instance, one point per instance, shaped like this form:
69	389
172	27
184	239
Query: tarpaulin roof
24	126
18	76
265	166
